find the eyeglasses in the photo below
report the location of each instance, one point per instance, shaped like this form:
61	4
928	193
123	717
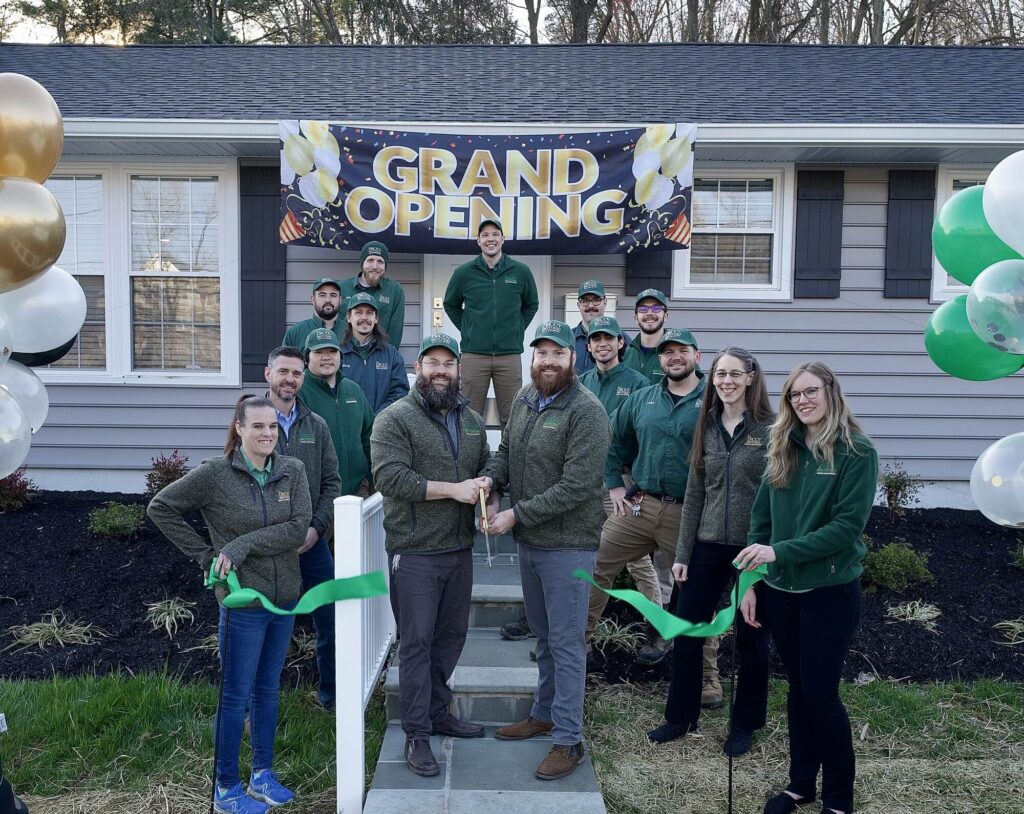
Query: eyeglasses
433	364
735	375
810	393
652	309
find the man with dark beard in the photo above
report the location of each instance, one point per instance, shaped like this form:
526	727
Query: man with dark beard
326	300
642	353
552	450
421	447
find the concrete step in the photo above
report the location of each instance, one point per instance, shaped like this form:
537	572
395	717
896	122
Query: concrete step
497	595
479	774
494	680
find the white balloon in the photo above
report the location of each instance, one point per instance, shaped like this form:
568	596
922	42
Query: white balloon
15	434
30	393
1003	200
46	313
6	341
997	481
647	161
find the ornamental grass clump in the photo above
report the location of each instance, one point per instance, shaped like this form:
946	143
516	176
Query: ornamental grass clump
896	566
918	612
608	632
169	613
15	490
55	630
119	521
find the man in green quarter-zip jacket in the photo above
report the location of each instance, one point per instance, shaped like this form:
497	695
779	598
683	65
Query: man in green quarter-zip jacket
342	405
387	293
326	300
492	300
429	449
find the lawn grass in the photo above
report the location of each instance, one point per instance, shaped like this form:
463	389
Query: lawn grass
921	749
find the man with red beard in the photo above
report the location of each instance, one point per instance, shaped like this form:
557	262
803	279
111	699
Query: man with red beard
422	447
552	450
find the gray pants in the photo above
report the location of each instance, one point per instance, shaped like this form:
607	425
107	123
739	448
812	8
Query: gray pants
556	609
433	592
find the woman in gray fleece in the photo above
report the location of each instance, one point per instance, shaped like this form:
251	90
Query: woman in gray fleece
727	459
257	508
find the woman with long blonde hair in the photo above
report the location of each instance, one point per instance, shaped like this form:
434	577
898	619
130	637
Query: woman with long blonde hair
813	504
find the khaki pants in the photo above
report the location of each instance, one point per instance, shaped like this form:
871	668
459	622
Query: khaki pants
642	570
478	371
626	539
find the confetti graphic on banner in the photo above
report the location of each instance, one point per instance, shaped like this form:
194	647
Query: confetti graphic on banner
615	191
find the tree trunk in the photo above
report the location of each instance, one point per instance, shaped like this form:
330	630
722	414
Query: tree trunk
877	13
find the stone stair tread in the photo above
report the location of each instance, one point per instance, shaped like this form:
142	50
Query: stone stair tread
489	680
497	593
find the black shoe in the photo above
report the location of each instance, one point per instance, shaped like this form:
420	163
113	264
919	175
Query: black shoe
654	651
739	742
454	728
669	732
784	804
419	758
516	631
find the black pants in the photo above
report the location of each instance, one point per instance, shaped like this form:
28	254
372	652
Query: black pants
710	571
812	632
434	593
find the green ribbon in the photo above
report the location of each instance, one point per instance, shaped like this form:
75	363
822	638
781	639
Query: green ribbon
334	590
668	625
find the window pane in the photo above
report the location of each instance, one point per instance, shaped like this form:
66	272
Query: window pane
174	204
145	248
731	259
732	204
90	351
705	203
176	323
759	204
736	256
145	200
204	200
174	248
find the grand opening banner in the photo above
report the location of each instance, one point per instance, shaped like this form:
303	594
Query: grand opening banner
602	192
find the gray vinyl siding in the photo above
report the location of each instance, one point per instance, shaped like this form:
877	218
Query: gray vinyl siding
935	424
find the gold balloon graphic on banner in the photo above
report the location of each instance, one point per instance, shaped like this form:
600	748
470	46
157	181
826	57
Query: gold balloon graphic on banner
32	231
31	129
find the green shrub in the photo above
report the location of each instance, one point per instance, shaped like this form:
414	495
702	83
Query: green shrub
166	469
14	490
120	521
896	566
1018	555
898	488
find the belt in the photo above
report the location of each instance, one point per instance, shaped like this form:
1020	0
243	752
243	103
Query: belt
664	498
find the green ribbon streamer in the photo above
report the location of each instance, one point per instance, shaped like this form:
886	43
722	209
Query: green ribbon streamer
668	625
334	590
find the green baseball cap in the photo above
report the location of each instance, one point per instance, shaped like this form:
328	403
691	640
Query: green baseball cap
558	332
678	335
604	325
489	222
362	298
595	287
652	294
439	341
322	338
326	281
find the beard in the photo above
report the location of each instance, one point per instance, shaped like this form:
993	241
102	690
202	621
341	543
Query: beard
651	329
440	395
565	376
326	312
679	375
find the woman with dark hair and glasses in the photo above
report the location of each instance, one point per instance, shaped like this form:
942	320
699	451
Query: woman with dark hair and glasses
816	497
257	508
727	459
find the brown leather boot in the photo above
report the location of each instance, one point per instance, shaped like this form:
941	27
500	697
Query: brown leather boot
711	693
560	762
522	730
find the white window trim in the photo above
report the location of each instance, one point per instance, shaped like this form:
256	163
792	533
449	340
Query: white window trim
784	207
117	277
944	178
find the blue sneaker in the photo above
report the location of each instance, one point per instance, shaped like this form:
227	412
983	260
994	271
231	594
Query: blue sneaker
263	786
235	801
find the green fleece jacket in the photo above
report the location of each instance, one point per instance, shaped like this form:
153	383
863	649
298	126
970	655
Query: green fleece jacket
647	363
258	529
615	386
814	524
411	446
550	462
349	419
719	495
492	308
391	298
295	336
652	434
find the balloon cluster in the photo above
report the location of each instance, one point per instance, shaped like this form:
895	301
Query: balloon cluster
42	307
978	237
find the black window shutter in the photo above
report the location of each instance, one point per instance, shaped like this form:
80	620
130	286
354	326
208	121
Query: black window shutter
817	267
908	233
262	260
648	270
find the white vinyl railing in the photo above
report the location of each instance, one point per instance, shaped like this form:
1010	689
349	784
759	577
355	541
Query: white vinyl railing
364	632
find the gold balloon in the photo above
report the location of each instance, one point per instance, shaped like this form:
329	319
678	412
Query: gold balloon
31	129
32	231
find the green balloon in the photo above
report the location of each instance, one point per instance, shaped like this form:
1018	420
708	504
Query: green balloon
956	349
963	241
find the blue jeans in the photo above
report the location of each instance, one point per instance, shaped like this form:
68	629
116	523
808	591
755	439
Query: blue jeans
317	566
253	646
556	610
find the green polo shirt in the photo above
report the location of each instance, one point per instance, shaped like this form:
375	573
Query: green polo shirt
615	386
261	475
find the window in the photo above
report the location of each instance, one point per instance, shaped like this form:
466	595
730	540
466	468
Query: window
151	245
948	181
741	244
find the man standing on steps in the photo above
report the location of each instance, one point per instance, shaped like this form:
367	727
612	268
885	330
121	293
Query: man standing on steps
423	448
591	301
367	358
642	353
551	454
491	300
326	300
652	432
304	435
388	294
